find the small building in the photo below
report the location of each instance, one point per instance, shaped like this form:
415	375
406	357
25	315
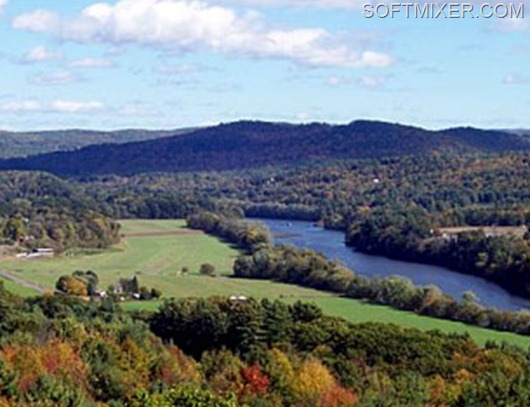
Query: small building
45	251
40	252
238	298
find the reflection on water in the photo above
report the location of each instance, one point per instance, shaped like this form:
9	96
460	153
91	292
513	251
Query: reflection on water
331	244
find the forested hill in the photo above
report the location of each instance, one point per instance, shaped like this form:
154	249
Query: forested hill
23	144
257	144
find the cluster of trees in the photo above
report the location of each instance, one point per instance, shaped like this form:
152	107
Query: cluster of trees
80	283
248	236
455	189
276	354
409	235
61	351
39	210
59	228
85	283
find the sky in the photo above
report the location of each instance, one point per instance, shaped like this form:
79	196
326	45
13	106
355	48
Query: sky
180	63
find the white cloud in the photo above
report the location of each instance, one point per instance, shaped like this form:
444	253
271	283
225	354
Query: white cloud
196	26
3	4
55	78
91	63
68	106
511	25
38	21
40	54
57	106
20	106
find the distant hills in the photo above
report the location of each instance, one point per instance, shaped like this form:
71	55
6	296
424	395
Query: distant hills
23	144
251	144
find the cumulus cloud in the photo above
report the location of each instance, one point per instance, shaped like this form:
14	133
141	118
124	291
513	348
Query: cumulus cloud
91	63
197	26
56	106
40	54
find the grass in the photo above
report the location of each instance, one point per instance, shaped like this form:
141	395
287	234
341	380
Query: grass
158	250
18	289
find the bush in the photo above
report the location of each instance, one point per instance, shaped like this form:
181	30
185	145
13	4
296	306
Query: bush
207	269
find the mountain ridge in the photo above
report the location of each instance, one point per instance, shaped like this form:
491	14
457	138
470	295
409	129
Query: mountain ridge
252	144
18	144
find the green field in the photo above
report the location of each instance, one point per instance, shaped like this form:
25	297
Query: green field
157	250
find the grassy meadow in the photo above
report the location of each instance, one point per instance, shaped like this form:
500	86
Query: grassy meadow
156	251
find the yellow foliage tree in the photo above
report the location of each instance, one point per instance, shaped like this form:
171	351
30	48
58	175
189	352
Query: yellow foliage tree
135	364
72	286
312	380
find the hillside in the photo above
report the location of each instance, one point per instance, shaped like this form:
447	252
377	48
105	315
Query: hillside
257	144
23	144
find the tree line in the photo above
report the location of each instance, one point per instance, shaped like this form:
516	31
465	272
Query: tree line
410	235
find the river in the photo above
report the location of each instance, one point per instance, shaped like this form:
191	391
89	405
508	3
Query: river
331	244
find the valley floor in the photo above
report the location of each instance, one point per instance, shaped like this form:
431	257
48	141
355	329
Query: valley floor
157	250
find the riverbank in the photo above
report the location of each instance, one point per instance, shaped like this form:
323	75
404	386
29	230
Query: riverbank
331	243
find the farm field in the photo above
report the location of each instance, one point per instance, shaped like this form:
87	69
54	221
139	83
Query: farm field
157	251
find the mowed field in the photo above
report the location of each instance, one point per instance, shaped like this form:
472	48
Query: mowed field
156	251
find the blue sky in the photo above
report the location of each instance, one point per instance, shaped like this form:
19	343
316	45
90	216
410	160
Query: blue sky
178	63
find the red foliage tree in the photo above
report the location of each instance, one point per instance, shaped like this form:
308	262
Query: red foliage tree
338	396
255	381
